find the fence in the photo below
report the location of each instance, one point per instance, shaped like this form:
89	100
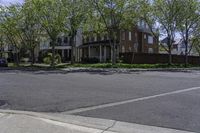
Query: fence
145	58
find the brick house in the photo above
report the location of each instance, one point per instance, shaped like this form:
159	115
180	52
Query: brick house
137	40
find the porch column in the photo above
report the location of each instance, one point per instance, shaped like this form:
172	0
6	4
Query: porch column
79	54
105	54
67	53
100	54
79	57
63	53
88	51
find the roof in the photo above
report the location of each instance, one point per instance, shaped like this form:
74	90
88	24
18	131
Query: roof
165	40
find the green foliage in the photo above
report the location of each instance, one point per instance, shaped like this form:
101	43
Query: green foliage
9	24
188	21
52	19
196	44
90	60
111	16
128	66
48	58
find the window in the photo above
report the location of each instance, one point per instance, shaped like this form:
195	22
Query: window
136	47
130	49
147	27
59	41
138	23
106	37
95	38
150	40
130	36
66	40
90	39
143	24
123	35
150	50
102	38
145	36
123	49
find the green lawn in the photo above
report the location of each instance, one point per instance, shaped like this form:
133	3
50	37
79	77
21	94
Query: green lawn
102	65
122	65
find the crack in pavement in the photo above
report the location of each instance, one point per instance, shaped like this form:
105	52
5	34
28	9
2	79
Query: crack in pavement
107	129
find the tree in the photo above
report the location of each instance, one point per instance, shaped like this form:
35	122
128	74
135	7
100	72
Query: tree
76	14
112	16
9	18
30	28
188	21
1	45
146	10
166	15
196	44
52	20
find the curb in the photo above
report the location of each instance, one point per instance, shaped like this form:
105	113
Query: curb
100	70
95	123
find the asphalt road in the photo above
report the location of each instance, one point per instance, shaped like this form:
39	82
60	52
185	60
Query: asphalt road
162	102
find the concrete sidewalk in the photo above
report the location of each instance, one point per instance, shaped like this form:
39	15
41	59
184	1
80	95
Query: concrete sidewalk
30	122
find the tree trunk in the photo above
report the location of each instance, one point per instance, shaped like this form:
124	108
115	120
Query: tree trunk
32	56
114	50
17	59
1	52
186	56
72	49
170	58
186	49
113	54
53	53
133	57
169	43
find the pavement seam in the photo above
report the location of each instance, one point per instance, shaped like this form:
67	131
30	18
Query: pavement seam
79	110
107	129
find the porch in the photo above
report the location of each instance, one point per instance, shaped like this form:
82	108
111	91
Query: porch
102	52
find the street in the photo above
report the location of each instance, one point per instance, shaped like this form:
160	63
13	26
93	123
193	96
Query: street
163	99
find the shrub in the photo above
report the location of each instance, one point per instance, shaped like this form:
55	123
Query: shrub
58	59
90	60
24	60
48	59
42	55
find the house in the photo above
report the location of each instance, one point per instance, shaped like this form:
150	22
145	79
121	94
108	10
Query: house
178	47
137	40
164	47
63	46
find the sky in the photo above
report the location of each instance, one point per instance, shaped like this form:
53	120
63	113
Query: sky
7	2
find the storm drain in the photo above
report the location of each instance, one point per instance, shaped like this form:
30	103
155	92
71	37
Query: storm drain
2	103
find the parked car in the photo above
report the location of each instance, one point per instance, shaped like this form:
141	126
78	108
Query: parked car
3	62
